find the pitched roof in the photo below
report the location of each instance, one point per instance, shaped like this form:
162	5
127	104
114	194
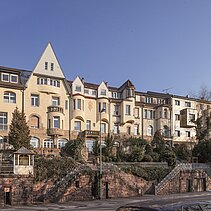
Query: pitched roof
25	151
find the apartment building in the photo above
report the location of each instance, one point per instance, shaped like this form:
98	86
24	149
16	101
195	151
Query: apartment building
58	109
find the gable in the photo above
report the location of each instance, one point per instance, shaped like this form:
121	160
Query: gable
48	64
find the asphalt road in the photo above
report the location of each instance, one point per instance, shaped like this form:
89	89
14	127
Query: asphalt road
113	204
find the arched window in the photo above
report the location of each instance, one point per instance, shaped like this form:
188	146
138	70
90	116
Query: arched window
1	140
48	143
35	142
150	130
61	143
9	97
166	131
165	114
34	121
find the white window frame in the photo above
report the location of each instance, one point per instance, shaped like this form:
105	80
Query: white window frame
128	110
56	122
3	120
55	101
35	100
10	97
5	74
16	76
77	125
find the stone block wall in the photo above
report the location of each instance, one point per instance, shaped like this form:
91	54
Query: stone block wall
187	181
16	190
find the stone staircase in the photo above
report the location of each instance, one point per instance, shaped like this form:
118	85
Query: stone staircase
176	171
55	193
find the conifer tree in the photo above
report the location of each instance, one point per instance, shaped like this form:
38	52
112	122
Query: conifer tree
19	134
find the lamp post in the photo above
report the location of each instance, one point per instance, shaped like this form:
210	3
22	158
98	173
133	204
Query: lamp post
101	164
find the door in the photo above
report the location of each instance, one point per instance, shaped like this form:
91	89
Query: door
7	196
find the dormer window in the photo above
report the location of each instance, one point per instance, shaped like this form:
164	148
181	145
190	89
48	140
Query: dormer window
52	66
103	92
5	77
78	88
46	65
13	78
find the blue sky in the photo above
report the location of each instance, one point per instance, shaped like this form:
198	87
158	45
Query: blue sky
157	44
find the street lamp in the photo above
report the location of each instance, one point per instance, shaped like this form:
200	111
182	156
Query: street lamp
101	164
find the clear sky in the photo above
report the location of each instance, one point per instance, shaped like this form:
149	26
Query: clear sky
157	44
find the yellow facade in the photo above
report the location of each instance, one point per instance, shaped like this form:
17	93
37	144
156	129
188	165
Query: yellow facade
58	110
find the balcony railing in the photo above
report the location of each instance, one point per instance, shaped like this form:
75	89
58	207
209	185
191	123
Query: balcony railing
55	132
91	133
55	109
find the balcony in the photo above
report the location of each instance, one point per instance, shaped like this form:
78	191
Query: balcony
187	117
55	109
55	132
90	133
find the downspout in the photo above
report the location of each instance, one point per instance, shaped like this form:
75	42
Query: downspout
142	122
69	132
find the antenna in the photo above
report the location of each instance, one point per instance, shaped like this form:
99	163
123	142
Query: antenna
166	90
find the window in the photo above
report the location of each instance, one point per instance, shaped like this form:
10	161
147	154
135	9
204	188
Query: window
128	130
61	143
56	122
136	113
55	101
150	130
46	65
78	88
78	106
177	102
66	104
88	124
52	66
34	121
42	81
116	129
103	127
9	97
13	78
187	104
77	125
104	106
103	92
148	114
48	143
165	114
116	110
191	117
187	133
166	131
136	130
3	121
86	91
114	95
55	83
127	110
34	142
35	100
177	117
148	100
94	92
5	77
177	133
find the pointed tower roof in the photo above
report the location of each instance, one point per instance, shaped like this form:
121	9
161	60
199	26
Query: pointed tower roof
127	84
48	64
